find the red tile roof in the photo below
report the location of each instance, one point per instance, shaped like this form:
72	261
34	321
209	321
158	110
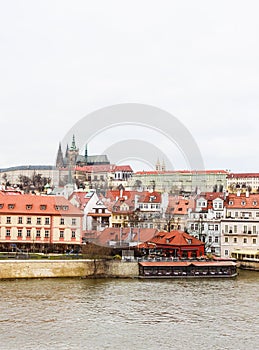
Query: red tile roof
109	168
179	205
123	168
175	238
242	202
242	175
117	234
194	172
28	204
149	197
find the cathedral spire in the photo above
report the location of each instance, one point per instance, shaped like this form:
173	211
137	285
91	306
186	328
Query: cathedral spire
60	160
73	146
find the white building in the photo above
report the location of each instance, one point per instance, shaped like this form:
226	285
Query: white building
205	220
240	225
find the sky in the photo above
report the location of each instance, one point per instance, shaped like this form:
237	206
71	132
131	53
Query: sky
197	60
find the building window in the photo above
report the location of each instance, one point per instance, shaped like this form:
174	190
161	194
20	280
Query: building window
257	214
29	206
8	219
254	230
43	207
74	221
216	227
245	240
73	235
28	220
226	252
61	234
226	239
19	233
38	233
46	234
38	221
245	229
210	239
235	228
226	228
216	239
8	233
10	206
28	233
254	240
235	240
19	220
62	221
46	221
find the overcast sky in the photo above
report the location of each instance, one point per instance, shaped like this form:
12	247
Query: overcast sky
198	60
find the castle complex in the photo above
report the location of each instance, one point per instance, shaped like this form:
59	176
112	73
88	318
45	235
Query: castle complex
72	157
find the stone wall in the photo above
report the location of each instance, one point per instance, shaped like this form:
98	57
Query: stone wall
66	268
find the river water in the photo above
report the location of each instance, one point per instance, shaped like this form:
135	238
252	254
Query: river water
130	313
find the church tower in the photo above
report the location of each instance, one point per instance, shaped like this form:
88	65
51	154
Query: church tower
60	159
72	153
163	165
158	168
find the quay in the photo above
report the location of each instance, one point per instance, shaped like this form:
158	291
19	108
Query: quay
83	268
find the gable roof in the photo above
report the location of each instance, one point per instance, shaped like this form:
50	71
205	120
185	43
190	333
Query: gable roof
175	238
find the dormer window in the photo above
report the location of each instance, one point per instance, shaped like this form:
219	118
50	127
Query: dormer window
231	203
28	206
43	207
65	207
189	241
254	202
243	203
10	206
1	205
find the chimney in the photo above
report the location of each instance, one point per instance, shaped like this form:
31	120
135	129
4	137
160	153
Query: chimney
238	193
247	193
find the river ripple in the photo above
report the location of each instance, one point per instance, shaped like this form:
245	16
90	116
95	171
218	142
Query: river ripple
130	314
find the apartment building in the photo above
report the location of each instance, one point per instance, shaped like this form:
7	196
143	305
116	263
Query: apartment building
240	225
38	223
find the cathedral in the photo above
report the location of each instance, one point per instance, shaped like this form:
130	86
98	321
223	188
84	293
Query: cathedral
72	157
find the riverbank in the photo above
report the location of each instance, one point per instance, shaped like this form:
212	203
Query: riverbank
67	268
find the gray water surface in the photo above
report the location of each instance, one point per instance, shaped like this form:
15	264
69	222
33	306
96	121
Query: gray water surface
130	314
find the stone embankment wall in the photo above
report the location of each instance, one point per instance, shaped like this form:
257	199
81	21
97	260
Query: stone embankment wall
66	268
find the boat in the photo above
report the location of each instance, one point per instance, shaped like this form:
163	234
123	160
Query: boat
187	269
247	259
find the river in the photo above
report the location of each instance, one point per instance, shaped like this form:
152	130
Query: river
130	313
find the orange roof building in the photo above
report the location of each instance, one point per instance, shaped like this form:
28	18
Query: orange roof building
38	222
178	244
